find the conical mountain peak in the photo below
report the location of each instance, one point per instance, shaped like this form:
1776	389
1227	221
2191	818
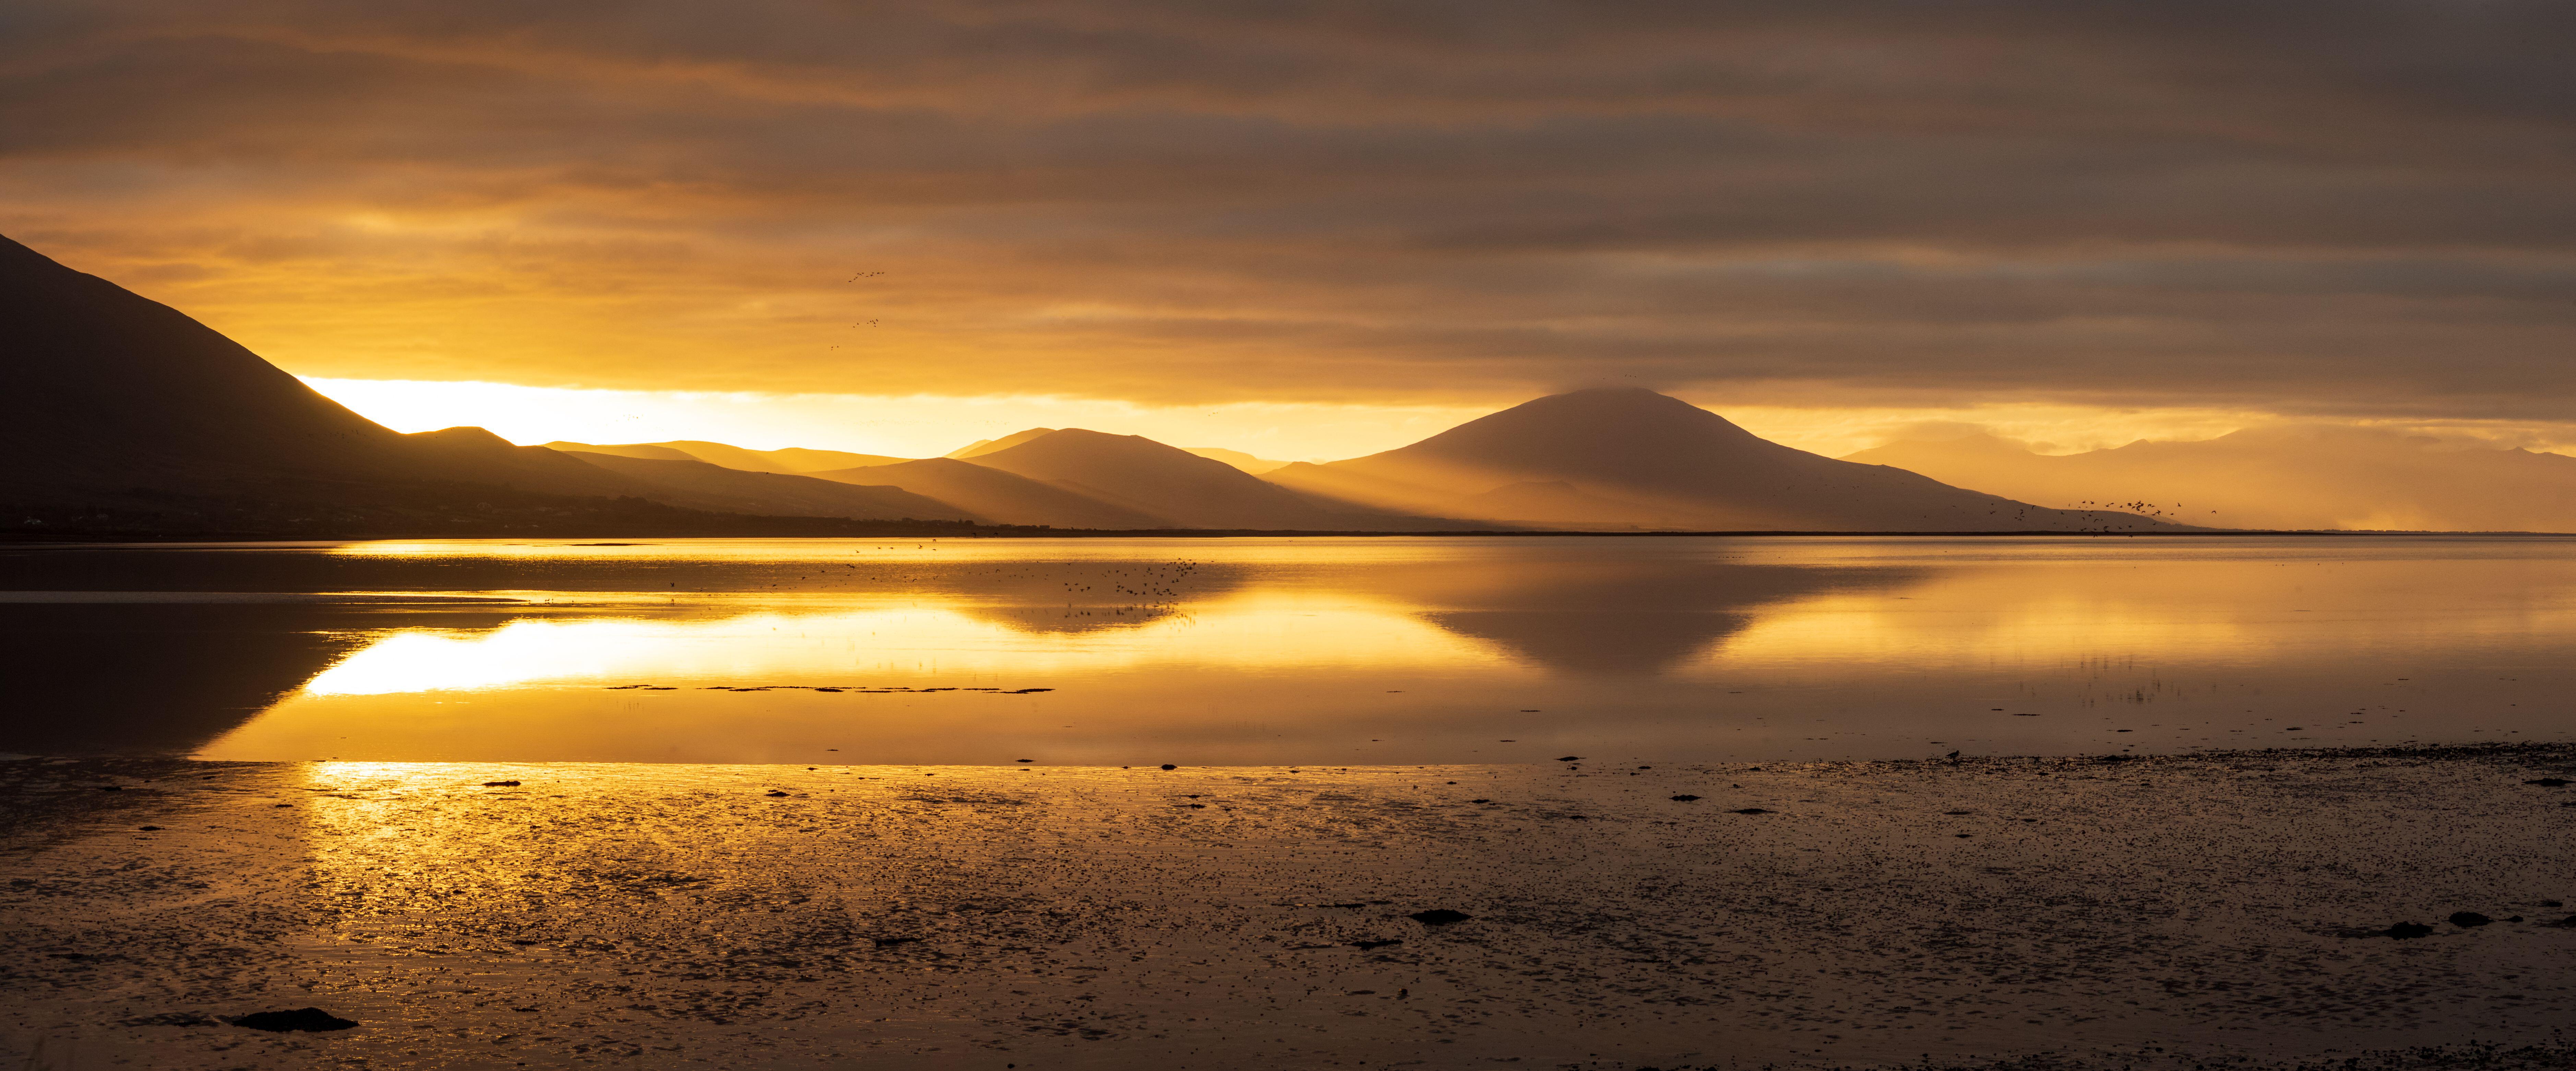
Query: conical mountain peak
1629	457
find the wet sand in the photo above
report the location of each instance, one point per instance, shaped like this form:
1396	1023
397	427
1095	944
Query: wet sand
2059	912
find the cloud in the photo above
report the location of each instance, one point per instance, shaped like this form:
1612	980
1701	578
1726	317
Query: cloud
2324	209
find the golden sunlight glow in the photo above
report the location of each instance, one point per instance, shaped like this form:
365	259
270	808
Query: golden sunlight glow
899	426
932	425
906	644
1319	647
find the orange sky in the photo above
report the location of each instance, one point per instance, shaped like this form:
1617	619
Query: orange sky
1323	230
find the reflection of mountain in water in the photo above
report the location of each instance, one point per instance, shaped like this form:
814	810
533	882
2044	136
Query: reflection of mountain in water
1616	617
1602	642
156	678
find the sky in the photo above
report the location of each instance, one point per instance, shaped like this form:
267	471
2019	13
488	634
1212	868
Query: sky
1318	229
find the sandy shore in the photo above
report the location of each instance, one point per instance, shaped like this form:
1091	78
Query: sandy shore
2068	911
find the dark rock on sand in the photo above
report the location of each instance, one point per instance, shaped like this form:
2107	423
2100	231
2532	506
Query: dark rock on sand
773	792
1367	945
1169	766
2466	919
2548	782
1439	916
1569	758
310	1019
2405	930
500	784
1753	810
1684	798
888	942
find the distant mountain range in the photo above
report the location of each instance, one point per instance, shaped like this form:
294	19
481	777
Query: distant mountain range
127	415
792	461
124	415
2287	477
1629	458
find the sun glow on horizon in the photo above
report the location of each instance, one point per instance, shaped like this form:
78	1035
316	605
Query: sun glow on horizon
932	425
894	425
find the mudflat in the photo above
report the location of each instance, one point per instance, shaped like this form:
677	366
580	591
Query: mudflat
2074	911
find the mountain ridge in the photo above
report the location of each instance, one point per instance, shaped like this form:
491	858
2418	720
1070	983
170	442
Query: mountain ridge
2283	477
1657	462
125	407
130	401
1137	473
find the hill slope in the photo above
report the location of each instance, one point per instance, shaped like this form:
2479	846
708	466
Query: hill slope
1629	457
700	485
1003	497
1139	474
794	460
117	403
981	447
1236	458
2278	477
106	389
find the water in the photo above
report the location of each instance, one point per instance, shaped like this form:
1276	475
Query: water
1284	651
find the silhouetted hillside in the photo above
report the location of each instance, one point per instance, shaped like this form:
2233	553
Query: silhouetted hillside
985	446
1002	496
1236	458
2276	477
1137	473
1629	457
642	451
699	485
108	390
794	460
125	416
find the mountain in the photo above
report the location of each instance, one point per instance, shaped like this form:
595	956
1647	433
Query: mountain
1236	458
806	462
1137	473
1632	458
107	389
124	409
646	451
699	485
986	446
1006	498
795	460
2288	476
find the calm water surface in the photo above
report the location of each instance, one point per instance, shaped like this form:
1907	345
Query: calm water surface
1260	651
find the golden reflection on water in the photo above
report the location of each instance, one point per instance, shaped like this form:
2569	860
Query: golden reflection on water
1429	650
925	639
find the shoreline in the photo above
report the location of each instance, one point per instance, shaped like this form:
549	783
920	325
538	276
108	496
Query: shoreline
111	538
2058	913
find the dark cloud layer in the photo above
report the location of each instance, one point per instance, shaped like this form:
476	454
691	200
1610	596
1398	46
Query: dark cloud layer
2349	208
